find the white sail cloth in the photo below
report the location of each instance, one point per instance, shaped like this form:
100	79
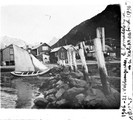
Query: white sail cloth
22	60
38	65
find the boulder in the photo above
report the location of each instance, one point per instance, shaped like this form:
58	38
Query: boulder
88	98
40	102
80	97
72	92
59	93
59	83
51	98
51	91
64	104
78	74
66	69
78	82
61	102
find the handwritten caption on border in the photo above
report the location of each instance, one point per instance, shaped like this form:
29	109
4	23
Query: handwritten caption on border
126	54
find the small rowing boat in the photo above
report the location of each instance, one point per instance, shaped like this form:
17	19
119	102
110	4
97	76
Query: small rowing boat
26	64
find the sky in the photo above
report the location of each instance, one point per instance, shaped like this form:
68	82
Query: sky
40	23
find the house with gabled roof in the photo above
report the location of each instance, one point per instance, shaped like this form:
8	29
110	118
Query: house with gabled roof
59	53
40	50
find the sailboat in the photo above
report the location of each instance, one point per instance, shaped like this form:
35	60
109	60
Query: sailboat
26	64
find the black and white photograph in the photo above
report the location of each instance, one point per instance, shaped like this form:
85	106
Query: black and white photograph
66	57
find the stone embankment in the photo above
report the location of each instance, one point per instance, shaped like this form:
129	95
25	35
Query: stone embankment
68	89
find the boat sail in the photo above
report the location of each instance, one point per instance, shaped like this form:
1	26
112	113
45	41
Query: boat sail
26	64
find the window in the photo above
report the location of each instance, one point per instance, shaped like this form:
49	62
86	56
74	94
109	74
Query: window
45	48
11	51
12	57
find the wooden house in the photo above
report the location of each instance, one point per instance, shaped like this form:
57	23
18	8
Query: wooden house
40	51
8	55
41	48
59	53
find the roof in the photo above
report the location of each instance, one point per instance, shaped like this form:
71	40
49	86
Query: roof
37	46
56	49
6	47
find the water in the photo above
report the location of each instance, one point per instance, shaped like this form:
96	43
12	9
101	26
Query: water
20	93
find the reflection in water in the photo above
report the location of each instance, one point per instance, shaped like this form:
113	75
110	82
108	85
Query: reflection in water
19	93
24	94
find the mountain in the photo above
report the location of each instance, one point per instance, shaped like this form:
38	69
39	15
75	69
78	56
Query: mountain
53	41
110	19
5	41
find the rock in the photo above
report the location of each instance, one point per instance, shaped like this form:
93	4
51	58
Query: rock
113	100
51	105
59	82
59	93
66	69
61	102
78	74
78	82
64	86
88	98
34	107
50	98
51	91
113	90
64	77
45	86
72	92
98	93
80	98
56	70
40	102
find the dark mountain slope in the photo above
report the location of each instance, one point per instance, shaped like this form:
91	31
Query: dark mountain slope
110	19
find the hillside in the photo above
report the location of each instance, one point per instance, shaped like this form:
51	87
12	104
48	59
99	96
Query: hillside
53	41
5	41
109	19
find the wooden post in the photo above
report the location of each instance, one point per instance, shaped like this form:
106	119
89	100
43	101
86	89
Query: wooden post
101	35
70	58
101	65
74	59
83	60
103	39
82	56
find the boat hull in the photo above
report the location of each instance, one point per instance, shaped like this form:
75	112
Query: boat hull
29	74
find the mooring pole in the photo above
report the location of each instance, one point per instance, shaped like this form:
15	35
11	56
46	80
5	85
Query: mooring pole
74	59
101	64
101	35
82	57
83	60
69	55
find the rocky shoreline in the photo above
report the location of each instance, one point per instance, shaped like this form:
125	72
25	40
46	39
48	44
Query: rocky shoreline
68	90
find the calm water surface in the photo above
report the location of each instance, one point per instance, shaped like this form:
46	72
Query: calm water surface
20	93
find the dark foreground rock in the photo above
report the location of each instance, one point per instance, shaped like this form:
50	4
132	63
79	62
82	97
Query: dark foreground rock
67	89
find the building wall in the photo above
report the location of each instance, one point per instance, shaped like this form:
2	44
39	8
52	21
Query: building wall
34	52
62	53
44	48
8	55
